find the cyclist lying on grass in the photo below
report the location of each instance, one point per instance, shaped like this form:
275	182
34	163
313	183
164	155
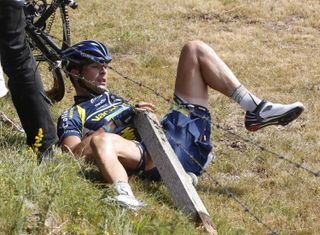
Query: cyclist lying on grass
99	127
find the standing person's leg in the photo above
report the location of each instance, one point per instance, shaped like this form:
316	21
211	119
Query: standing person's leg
24	80
200	67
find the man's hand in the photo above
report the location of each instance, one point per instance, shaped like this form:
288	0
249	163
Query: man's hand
144	106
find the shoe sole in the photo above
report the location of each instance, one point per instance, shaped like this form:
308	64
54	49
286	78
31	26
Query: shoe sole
285	119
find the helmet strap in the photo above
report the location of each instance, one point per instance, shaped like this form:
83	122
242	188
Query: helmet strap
90	87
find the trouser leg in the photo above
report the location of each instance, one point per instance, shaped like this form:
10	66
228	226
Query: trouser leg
24	80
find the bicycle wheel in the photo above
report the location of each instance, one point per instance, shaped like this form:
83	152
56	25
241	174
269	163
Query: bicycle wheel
57	29
53	81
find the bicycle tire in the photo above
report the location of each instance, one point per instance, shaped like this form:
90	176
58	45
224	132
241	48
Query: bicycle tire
53	76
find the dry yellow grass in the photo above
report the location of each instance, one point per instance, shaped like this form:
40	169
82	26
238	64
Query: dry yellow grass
273	47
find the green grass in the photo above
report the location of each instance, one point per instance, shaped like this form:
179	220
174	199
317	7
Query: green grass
273	48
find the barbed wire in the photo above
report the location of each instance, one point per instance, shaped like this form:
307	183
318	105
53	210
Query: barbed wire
228	192
277	155
255	144
219	126
140	84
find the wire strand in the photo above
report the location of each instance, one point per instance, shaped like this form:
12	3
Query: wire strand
257	145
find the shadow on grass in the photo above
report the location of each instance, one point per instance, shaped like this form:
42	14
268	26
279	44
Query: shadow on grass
157	189
94	175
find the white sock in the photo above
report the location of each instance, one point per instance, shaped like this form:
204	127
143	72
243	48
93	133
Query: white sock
123	188
247	101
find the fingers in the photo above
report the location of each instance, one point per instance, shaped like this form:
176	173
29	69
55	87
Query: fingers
144	106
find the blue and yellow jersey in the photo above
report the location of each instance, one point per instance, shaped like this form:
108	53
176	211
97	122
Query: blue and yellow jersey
92	114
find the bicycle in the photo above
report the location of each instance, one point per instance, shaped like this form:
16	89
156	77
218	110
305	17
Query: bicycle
47	40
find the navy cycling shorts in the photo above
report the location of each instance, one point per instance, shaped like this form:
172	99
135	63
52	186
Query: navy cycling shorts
188	129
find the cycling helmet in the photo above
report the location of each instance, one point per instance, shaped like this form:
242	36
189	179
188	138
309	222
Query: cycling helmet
85	52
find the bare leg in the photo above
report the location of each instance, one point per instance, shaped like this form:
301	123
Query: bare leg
199	67
114	155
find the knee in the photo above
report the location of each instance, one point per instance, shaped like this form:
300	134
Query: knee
197	49
194	45
101	143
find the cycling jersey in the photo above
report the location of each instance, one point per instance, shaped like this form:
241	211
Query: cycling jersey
187	127
91	114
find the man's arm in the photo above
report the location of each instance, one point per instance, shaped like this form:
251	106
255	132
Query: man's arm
144	106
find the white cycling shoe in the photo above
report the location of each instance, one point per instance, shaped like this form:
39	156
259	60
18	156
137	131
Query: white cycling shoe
267	114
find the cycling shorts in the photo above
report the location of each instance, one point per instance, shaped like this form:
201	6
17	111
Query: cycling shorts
188	130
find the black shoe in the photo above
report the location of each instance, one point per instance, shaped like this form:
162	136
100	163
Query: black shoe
267	114
46	156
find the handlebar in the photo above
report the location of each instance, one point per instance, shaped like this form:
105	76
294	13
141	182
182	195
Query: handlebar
40	23
72	3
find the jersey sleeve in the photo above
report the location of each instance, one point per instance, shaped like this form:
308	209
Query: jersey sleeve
70	123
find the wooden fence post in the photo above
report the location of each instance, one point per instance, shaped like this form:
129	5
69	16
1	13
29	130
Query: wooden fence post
172	173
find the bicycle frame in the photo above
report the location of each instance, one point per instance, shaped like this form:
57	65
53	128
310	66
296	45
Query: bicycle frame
41	40
37	34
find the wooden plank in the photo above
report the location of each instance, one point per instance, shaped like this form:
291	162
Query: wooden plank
172	173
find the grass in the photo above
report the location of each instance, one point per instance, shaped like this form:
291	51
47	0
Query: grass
272	47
